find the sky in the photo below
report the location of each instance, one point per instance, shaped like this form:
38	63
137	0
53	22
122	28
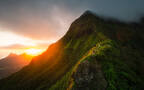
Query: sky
38	23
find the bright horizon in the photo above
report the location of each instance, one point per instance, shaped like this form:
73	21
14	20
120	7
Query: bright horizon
18	44
32	25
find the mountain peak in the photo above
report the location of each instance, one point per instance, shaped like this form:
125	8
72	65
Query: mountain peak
12	55
88	56
88	13
87	20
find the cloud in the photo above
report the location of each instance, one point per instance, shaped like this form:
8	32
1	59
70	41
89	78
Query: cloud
15	46
25	23
10	39
22	47
50	19
35	19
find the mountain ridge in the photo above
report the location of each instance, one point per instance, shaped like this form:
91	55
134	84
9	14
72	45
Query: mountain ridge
92	50
13	63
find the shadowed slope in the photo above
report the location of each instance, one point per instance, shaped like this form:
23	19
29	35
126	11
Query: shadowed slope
13	63
116	44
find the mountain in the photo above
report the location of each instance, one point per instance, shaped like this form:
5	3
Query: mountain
95	54
12	63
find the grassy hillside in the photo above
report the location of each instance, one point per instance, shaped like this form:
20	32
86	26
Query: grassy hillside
95	54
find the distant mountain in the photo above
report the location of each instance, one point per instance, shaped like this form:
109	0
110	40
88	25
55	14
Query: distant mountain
12	63
95	54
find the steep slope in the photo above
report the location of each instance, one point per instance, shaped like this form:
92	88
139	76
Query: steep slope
95	54
13	63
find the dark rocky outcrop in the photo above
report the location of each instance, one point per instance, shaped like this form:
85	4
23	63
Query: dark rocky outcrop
89	76
95	54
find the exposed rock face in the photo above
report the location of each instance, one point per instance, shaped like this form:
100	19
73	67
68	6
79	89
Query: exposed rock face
89	77
95	54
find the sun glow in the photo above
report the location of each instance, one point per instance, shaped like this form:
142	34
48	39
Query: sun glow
11	42
34	51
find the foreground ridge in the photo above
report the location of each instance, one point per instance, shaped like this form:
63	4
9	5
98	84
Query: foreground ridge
95	54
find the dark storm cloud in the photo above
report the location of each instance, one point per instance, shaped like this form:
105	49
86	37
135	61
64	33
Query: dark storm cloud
50	19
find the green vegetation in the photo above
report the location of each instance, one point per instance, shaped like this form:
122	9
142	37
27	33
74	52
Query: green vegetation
118	74
63	83
94	54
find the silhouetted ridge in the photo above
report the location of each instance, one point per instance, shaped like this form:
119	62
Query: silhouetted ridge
95	54
13	63
88	12
86	22
12	55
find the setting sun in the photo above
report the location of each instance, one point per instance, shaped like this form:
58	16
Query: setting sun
34	51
